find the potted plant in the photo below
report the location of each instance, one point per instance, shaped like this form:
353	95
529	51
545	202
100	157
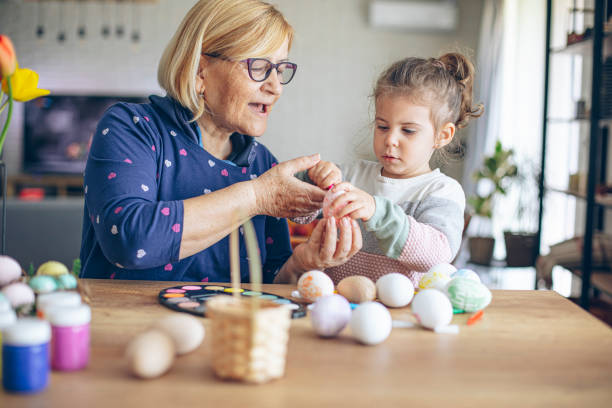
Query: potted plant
492	180
521	234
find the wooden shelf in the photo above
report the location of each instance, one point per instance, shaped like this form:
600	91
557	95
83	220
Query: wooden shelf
60	183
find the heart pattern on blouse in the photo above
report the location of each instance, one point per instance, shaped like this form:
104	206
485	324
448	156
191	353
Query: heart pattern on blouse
144	187
105	132
165	211
168	163
136	119
114	230
211	163
224	173
141	253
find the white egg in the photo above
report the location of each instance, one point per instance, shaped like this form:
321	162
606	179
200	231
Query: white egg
18	294
10	270
150	354
466	273
437	277
445	268
432	308
314	284
329	315
186	331
394	289
370	323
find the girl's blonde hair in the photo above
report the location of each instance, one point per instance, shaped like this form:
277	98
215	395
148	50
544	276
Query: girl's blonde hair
445	84
236	29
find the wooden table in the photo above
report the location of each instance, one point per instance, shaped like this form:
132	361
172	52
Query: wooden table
532	348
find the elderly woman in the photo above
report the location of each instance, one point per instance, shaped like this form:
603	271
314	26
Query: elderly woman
167	181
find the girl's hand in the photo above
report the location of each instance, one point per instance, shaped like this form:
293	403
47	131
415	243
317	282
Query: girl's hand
354	203
324	250
325	174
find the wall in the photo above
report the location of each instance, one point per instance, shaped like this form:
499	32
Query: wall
325	109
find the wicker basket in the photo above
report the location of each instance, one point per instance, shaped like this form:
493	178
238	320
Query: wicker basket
249	335
248	344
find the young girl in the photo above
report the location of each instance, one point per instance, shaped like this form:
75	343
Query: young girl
411	216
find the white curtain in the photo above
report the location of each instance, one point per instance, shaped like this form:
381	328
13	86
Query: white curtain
487	90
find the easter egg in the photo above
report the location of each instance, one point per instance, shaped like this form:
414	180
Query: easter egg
328	200
466	273
314	284
432	308
18	294
394	289
9	270
434	280
66	281
329	315
52	268
468	294
370	323
357	289
186	331
150	354
42	284
445	268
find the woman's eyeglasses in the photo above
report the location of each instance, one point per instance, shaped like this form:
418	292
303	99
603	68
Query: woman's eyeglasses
260	68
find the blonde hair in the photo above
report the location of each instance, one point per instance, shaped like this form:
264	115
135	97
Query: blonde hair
236	29
444	83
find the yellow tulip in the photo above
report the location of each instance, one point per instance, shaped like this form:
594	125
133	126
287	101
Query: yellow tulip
8	60
25	85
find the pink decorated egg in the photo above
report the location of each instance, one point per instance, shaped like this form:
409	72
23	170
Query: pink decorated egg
18	294
10	270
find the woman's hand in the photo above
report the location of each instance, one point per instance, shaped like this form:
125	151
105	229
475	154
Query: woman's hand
280	194
325	174
324	250
355	203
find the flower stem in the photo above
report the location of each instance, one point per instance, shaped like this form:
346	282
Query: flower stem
8	115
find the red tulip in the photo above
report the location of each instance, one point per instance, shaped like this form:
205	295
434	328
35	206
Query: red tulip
8	59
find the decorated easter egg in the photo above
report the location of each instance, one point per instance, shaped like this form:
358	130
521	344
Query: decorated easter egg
432	308
18	294
370	323
186	331
468	294
66	281
42	284
150	354
434	280
329	315
466	273
52	268
357	289
329	198
314	284
394	289
443	267
9	270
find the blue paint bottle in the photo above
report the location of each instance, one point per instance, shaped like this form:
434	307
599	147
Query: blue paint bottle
25	356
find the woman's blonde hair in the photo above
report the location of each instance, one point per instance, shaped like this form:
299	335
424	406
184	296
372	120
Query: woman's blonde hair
236	29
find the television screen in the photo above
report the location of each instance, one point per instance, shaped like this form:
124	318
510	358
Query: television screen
58	131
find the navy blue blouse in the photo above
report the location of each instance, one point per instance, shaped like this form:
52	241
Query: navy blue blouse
144	160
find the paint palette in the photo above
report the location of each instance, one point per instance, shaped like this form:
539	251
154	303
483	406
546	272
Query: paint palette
192	298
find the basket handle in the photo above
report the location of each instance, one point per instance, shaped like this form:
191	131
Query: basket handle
250	240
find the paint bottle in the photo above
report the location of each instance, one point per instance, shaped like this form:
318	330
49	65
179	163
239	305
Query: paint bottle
70	336
47	300
7	318
25	355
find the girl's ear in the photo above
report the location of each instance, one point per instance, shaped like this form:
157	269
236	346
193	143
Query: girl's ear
445	136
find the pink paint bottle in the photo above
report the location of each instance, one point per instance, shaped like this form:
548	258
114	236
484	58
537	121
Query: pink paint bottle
69	336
